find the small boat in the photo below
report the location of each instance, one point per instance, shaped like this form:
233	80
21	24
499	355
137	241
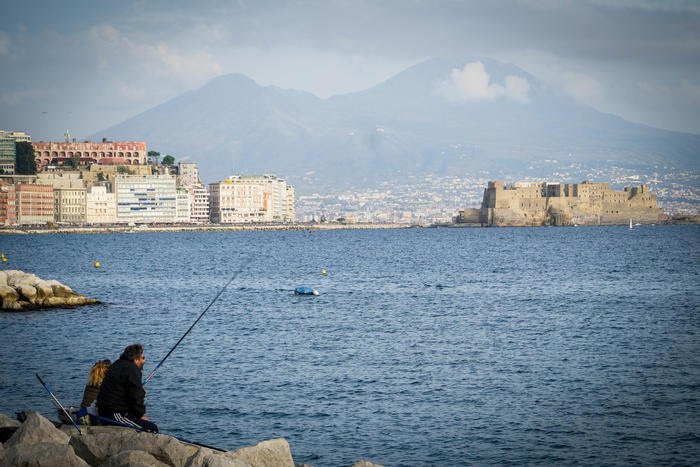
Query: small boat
631	223
305	291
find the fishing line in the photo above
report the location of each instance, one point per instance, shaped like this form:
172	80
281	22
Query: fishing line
195	322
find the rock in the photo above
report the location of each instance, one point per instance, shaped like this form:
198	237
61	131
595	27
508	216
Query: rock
6	421
43	290
28	292
208	458
133	459
41	454
364	463
271	453
60	290
21	290
3	278
36	429
2	454
8	292
97	445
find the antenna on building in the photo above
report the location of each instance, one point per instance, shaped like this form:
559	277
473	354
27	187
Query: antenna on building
67	137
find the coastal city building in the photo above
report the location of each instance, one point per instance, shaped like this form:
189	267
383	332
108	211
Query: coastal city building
8	153
146	199
8	212
69	204
100	206
246	199
8	150
199	196
106	152
586	203
183	210
188	177
34	203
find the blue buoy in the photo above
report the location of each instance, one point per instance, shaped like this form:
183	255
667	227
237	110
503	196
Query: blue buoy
305	291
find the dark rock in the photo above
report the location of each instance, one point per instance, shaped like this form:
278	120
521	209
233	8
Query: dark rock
36	429
133	459
96	446
41	454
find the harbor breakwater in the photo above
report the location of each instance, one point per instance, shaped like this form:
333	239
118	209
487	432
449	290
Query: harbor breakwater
20	291
39	442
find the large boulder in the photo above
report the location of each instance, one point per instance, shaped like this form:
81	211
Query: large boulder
45	454
36	429
3	278
271	453
28	292
96	446
6	421
208	458
133	459
364	463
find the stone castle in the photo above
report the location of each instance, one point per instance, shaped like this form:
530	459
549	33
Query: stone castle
585	203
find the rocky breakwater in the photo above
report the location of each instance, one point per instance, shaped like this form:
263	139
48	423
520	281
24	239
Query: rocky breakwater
38	442
20	290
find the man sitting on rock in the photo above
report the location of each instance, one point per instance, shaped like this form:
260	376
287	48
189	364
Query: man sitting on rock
121	400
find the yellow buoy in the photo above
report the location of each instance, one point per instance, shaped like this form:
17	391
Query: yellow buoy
97	264
4	260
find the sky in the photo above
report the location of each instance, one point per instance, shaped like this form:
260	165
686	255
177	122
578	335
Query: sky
83	66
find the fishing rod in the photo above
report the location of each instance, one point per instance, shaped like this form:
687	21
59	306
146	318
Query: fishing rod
58	404
193	324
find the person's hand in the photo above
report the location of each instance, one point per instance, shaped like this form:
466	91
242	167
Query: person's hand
144	417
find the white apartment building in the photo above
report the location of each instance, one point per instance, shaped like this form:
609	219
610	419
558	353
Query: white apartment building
69	204
146	198
188	174
183	208
100	206
199	197
246	199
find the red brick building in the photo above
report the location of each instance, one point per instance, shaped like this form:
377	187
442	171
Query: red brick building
8	211
108	152
35	203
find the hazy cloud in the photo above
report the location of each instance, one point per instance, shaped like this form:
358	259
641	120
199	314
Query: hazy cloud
13	99
4	44
472	84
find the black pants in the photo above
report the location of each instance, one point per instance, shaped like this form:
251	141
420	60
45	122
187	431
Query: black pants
127	419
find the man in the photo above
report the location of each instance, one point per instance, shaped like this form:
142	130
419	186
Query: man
122	397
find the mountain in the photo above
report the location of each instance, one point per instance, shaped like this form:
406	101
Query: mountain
443	116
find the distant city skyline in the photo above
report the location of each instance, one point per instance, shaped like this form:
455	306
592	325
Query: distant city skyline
84	66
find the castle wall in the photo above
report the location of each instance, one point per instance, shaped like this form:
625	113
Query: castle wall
533	203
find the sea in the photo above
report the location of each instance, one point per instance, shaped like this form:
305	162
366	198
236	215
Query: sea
425	347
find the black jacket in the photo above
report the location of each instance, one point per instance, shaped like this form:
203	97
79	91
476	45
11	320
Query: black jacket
121	390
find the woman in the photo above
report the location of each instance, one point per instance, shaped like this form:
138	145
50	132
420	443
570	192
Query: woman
97	374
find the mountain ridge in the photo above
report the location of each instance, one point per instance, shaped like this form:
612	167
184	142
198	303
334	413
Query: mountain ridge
442	116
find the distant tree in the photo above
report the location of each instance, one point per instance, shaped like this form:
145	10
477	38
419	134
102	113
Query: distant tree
25	164
168	160
74	161
100	176
122	169
154	157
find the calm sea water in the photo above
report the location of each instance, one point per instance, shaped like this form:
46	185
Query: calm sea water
425	347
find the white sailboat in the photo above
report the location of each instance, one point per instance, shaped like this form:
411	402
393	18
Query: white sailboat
631	223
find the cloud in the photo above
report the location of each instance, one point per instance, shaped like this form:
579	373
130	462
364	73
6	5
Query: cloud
4	44
13	99
473	84
158	59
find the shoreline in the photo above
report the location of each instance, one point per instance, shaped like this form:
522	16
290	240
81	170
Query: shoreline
143	228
